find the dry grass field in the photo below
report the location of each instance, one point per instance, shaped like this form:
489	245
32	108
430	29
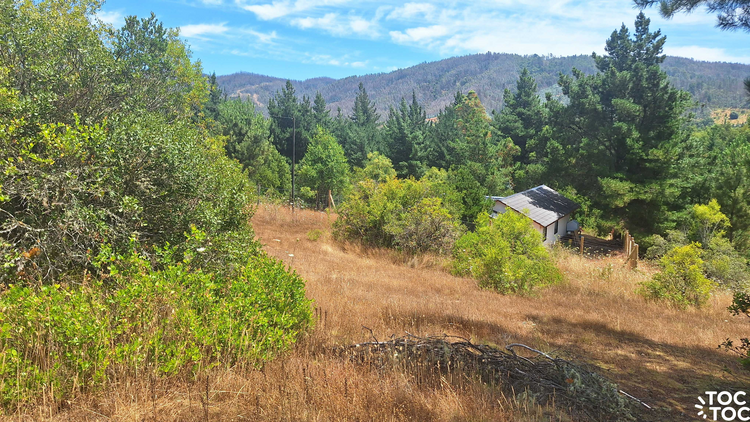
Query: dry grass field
664	356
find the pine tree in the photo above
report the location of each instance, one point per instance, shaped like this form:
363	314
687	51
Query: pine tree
404	132
362	136
615	134
321	114
522	118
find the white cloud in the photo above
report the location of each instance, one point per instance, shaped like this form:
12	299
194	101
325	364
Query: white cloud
705	54
328	60
327	21
360	25
410	10
200	29
278	9
268	11
421	34
263	37
115	17
338	25
211	2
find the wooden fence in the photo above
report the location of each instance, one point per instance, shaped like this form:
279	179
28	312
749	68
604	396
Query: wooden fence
631	250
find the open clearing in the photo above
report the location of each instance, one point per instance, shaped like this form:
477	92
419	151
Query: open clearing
665	357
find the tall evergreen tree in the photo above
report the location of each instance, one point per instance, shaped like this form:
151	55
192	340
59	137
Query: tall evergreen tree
362	136
404	132
247	133
292	122
522	117
321	114
435	150
215	97
617	131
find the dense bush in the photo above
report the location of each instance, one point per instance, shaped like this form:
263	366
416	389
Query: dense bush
138	319
412	215
70	188
681	280
740	306
323	169
706	225
505	254
106	162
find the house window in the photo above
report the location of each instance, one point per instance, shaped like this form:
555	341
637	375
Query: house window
544	234
556	222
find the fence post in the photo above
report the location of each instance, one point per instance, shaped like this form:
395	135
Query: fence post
582	239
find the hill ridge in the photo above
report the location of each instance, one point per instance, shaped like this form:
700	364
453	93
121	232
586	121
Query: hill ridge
713	84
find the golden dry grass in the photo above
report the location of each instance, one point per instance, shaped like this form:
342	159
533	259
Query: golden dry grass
667	357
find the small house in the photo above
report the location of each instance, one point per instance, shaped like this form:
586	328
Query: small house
548	210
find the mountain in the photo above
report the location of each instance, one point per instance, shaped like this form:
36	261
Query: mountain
716	85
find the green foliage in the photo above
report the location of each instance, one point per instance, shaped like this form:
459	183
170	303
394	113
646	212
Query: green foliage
426	226
731	15
324	167
181	316
359	135
522	118
248	135
612	154
72	187
740	305
412	215
706	225
681	280
708	222
505	254
378	167
404	133
724	265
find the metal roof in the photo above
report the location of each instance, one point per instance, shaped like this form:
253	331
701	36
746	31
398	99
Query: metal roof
544	204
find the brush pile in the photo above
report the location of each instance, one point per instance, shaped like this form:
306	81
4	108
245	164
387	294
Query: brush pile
519	370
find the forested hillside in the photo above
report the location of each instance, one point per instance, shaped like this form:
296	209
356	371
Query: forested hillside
717	85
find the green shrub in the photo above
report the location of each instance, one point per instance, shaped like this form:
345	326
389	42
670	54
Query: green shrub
505	254
427	226
681	280
314	234
412	215
70	188
740	306
137	319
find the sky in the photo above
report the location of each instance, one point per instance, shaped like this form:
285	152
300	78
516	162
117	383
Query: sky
301	39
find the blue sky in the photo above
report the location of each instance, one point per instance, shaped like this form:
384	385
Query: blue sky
300	39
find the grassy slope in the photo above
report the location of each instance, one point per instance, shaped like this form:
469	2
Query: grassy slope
665	357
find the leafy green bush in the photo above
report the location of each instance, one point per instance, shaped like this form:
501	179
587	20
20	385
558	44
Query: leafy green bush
323	168
505	254
182	317
681	280
412	215
740	305
427	226
70	188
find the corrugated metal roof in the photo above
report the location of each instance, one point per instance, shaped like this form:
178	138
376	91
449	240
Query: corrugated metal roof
544	204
